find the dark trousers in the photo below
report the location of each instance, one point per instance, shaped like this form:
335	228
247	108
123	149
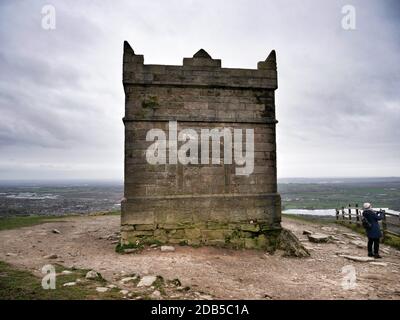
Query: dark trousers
375	242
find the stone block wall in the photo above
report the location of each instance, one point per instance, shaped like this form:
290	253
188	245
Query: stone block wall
199	204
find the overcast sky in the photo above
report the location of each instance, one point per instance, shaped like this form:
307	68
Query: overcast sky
62	100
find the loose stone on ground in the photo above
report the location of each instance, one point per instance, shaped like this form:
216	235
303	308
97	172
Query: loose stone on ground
147	281
69	284
318	238
92	275
357	259
167	248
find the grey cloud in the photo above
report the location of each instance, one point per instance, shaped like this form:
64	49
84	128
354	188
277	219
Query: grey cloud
61	97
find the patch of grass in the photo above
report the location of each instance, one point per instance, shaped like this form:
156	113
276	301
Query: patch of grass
8	223
151	102
121	247
392	240
149	242
15	222
106	213
159	285
17	284
356	228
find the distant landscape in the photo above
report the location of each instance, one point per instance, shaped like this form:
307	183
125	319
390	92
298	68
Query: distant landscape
58	198
335	193
61	197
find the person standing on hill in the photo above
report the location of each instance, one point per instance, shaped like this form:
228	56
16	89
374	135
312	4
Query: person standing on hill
371	224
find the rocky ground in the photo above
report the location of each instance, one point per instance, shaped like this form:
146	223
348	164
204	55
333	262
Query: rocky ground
209	273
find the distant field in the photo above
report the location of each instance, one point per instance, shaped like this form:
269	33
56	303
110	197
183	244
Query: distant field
334	194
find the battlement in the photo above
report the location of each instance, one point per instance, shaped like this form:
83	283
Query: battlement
199	71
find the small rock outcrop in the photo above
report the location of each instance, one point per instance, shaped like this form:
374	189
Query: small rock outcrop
318	238
357	258
358	243
92	275
66	272
128	279
167	248
147	281
289	243
69	284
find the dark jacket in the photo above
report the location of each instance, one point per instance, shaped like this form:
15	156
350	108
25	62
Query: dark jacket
373	218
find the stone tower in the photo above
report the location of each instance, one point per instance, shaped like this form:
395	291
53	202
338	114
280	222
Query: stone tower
199	204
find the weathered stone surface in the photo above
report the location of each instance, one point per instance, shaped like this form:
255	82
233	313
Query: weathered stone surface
380	264
147	281
102	289
69	284
197	204
358	243
167	248
356	258
318	237
92	275
66	272
128	279
156	294
131	250
329	229
351	236
250	227
292	247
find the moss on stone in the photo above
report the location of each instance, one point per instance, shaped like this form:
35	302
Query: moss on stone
159	285
256	236
150	102
120	248
145	227
252	227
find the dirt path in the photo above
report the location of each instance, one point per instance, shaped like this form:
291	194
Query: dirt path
89	242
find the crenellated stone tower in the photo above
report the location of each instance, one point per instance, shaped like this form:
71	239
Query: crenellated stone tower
199	204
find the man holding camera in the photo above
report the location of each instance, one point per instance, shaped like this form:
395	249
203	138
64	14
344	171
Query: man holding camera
371	225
